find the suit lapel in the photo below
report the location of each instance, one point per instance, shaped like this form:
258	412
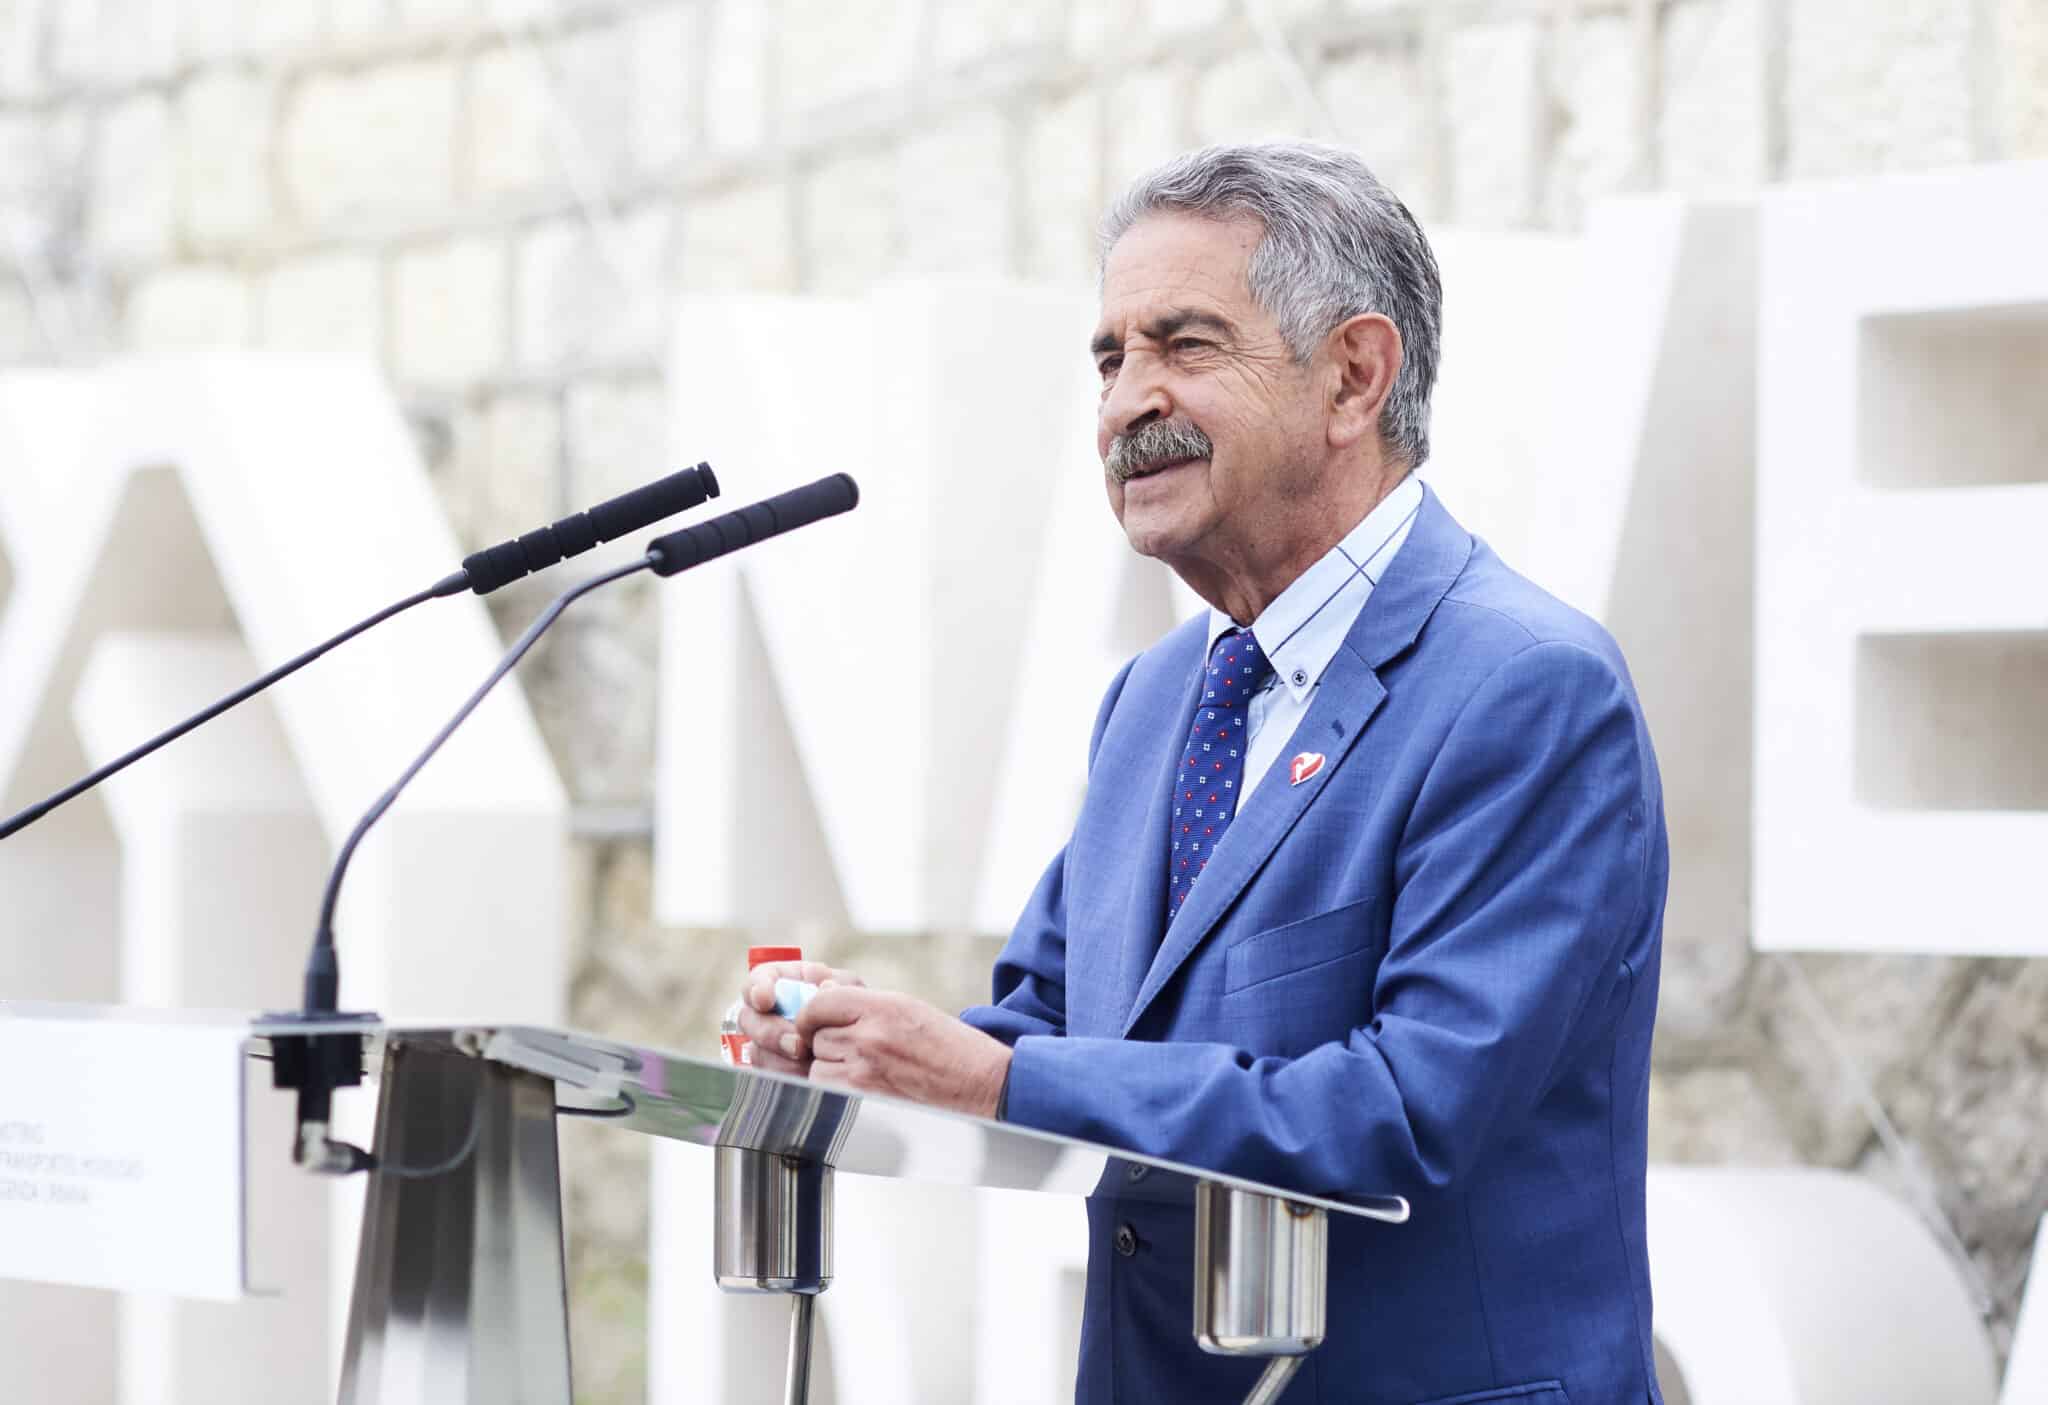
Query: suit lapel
1345	702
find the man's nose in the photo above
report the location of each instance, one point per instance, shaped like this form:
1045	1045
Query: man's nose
1135	400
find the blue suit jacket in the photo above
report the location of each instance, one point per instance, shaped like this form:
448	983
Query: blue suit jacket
1430	970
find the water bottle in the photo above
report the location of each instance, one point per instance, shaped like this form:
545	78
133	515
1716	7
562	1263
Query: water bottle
737	1048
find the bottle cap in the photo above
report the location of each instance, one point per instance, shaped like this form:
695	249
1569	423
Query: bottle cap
758	955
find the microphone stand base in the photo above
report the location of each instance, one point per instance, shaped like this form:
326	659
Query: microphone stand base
313	1066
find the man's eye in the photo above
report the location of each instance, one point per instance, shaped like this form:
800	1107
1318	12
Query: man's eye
1108	366
1187	344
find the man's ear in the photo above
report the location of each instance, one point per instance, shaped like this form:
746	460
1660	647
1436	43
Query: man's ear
1365	354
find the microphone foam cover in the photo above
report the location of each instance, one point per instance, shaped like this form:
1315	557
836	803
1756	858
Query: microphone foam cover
577	533
645	506
693	546
539	549
494	567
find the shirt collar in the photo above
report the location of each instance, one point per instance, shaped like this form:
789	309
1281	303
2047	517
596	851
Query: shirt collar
1301	630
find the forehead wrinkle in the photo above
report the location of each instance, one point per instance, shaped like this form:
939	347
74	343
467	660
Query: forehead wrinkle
1154	273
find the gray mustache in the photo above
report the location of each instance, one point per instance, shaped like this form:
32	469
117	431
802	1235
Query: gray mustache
1161	441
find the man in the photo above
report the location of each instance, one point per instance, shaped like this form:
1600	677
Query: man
1367	889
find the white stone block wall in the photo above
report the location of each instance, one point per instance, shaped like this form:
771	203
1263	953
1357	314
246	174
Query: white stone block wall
330	303
224	144
187	308
448	311
500	200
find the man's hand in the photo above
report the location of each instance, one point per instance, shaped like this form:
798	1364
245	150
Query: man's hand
876	1041
777	1046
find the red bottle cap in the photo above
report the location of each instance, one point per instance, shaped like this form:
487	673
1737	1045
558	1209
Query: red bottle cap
758	955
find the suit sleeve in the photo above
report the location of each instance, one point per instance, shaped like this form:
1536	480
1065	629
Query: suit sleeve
1030	996
1522	871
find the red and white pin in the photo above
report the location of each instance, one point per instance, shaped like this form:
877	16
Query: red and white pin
1304	766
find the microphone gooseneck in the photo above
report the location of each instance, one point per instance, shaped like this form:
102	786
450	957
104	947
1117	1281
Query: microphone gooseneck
482	573
317	1063
322	983
447	585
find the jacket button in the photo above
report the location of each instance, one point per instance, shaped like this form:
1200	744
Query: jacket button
1126	1240
1137	1173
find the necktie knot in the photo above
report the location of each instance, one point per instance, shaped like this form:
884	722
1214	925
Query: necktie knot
1238	667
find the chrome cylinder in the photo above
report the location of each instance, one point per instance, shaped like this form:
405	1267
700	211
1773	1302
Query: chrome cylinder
771	1222
1261	1273
802	1316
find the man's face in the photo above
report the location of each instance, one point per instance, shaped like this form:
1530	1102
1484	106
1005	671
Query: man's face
1182	347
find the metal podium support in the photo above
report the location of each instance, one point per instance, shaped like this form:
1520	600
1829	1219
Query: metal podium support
772	1233
771	1227
1262	1268
460	1294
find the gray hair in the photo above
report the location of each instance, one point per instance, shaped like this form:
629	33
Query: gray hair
1337	243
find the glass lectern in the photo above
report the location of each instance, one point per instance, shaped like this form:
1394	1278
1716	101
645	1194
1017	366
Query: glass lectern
460	1293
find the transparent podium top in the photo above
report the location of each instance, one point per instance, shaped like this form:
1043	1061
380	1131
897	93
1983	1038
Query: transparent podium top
689	1098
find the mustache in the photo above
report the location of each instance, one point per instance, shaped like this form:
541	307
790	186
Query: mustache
1153	444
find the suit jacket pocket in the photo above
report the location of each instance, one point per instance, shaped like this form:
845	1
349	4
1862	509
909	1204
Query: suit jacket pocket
1298	946
1532	1393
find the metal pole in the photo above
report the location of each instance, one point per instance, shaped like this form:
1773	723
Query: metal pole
802	1312
1279	1371
771	1232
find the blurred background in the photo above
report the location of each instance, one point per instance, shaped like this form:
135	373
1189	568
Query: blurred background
501	202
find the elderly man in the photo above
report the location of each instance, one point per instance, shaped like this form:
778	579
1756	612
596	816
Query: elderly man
1426	960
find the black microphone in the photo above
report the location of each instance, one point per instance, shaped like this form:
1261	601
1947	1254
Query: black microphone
316	1064
693	546
482	573
518	557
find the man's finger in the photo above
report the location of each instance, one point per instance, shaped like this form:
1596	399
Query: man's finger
764	1029
839	1005
768	1061
833	1043
759	990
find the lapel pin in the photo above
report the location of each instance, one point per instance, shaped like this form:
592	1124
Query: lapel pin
1304	766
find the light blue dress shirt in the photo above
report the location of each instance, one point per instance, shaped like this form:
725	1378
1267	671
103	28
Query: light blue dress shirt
1301	630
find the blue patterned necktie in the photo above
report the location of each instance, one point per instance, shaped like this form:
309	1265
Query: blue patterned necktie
1211	777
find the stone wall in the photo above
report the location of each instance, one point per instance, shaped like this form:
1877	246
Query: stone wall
500	199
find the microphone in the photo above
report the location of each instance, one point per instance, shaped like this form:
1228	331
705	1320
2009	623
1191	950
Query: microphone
799	507
519	557
482	572
317	1064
